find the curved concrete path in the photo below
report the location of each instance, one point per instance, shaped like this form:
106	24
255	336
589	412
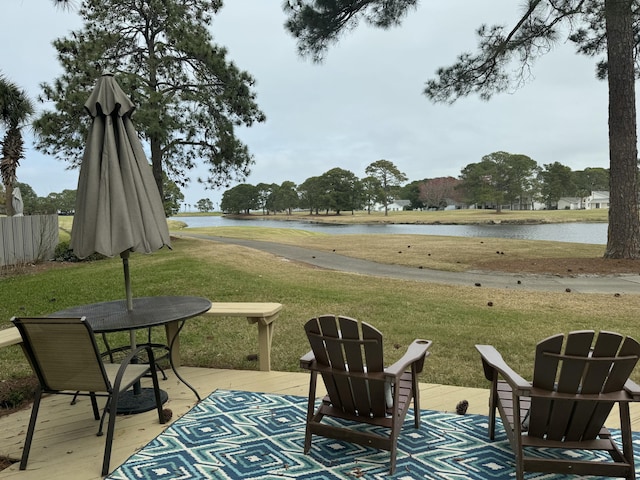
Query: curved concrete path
621	284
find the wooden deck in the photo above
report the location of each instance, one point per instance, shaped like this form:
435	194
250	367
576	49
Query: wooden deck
65	445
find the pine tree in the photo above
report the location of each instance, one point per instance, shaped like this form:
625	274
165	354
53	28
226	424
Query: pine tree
189	97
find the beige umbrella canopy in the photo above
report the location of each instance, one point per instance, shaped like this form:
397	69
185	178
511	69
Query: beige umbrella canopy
118	206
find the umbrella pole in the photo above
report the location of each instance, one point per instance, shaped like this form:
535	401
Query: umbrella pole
132	333
127	279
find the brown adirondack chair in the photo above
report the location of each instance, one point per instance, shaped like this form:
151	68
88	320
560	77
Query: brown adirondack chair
348	356
575	385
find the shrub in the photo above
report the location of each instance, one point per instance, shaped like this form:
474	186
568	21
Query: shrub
63	253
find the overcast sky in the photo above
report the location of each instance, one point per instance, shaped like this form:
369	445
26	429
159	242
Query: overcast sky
364	103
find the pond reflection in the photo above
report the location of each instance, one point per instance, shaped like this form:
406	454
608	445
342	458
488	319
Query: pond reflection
595	233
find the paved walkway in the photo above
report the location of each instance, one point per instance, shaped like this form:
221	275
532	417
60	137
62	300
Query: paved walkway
621	284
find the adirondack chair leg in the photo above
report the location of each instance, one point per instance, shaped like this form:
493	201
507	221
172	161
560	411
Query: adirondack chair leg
627	439
392	461
396	425
517	435
416	396
493	406
310	410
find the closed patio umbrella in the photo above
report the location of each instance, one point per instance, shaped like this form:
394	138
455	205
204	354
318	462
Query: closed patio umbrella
118	206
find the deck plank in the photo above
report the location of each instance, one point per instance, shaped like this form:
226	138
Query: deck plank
65	445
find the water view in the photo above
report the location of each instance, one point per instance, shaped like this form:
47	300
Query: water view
595	233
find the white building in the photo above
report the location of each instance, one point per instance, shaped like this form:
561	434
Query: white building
395	206
571	203
597	199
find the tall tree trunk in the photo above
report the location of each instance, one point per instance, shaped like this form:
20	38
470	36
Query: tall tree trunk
156	165
8	205
623	239
12	152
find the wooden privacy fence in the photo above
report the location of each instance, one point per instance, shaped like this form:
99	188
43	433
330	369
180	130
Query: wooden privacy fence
27	239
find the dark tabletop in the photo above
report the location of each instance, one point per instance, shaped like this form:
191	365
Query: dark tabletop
147	312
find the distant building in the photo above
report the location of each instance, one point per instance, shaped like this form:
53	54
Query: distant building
395	206
570	203
597	199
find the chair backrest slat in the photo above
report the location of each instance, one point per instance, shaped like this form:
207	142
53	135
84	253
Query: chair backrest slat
346	345
375	363
595	376
358	387
544	373
570	376
63	353
584	367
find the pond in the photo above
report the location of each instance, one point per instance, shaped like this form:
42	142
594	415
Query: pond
595	233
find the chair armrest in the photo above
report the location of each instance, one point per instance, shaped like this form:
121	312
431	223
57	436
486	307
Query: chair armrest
633	389
306	360
128	360
493	362
416	353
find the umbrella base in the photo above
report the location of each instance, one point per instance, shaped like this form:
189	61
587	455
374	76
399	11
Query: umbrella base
130	403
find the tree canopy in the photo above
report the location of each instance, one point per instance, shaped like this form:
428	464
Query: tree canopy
204	205
240	199
389	178
190	98
500	178
503	60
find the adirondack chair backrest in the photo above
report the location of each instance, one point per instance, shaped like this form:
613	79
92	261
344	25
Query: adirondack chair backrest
583	367
352	357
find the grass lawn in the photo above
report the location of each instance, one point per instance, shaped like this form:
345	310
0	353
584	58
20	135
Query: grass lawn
455	318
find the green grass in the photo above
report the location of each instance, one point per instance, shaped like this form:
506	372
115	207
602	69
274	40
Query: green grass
455	318
426	251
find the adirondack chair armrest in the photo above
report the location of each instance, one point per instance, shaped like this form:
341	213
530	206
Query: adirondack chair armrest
416	353
617	396
493	362
307	359
633	389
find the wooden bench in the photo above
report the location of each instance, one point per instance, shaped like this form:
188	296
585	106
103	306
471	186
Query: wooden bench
262	314
9	336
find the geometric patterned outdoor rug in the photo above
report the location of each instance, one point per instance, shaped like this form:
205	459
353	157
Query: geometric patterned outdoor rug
245	435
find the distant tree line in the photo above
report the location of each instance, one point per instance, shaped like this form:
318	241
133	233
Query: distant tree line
336	190
499	179
63	202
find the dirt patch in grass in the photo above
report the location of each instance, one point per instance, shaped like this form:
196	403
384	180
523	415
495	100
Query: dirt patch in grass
31	268
563	266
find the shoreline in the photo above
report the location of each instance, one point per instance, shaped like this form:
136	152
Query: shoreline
364	220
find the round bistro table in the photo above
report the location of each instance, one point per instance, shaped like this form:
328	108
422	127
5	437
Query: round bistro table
113	316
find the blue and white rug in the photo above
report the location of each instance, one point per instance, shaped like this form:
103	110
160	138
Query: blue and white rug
245	435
